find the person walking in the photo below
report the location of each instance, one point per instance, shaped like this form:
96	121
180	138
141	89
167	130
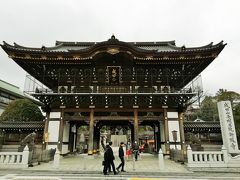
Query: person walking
128	149
109	160
135	150
121	156
106	162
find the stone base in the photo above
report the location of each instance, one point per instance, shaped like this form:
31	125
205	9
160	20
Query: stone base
233	161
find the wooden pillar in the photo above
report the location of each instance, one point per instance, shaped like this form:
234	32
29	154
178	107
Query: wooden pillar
132	133
181	129
95	137
71	138
155	137
91	132
45	133
166	131
158	137
61	128
98	139
135	125
77	135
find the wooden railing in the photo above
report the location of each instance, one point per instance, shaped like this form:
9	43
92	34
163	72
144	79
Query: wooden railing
207	158
15	159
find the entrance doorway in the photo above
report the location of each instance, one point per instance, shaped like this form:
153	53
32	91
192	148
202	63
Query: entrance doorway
116	131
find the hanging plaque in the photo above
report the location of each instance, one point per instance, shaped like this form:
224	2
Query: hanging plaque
114	75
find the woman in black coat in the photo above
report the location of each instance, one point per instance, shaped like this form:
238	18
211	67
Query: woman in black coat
108	160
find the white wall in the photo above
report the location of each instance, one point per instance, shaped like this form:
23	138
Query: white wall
55	115
53	130
172	115
66	132
173	125
65	137
162	132
64	149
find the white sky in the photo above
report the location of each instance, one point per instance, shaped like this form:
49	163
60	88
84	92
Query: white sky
189	22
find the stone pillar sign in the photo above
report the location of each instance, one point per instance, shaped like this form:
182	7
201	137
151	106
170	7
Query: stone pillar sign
227	126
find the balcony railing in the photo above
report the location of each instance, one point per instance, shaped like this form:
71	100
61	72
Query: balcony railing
33	86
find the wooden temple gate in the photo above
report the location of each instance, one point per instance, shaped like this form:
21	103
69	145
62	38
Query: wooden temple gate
159	78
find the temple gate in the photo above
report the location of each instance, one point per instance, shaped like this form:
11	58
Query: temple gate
126	84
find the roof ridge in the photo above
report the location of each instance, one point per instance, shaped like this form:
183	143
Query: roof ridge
74	43
134	43
153	43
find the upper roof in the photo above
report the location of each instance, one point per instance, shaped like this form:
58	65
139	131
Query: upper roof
183	63
156	46
84	47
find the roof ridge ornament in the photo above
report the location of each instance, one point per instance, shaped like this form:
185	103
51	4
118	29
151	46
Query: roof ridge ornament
183	47
43	47
113	36
113	39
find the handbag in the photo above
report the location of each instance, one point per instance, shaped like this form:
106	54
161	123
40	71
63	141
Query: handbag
103	163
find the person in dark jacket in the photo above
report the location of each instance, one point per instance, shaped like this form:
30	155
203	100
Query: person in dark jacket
108	159
135	150
105	148
121	156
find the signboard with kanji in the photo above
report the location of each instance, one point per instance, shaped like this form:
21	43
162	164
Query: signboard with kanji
228	126
114	75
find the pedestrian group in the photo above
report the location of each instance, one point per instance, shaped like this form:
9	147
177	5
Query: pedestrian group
109	158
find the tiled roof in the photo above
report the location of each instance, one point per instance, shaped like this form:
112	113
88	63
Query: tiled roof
8	125
188	126
158	48
161	46
202	126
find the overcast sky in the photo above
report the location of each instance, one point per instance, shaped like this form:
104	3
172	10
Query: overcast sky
35	23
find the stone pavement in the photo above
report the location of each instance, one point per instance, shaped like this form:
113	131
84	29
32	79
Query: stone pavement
89	167
146	163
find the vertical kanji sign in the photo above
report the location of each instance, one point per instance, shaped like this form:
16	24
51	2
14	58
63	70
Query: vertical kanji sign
227	126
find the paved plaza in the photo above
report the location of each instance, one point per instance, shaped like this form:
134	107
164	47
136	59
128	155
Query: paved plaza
146	163
89	167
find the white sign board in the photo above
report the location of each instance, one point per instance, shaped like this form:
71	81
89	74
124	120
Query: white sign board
227	126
